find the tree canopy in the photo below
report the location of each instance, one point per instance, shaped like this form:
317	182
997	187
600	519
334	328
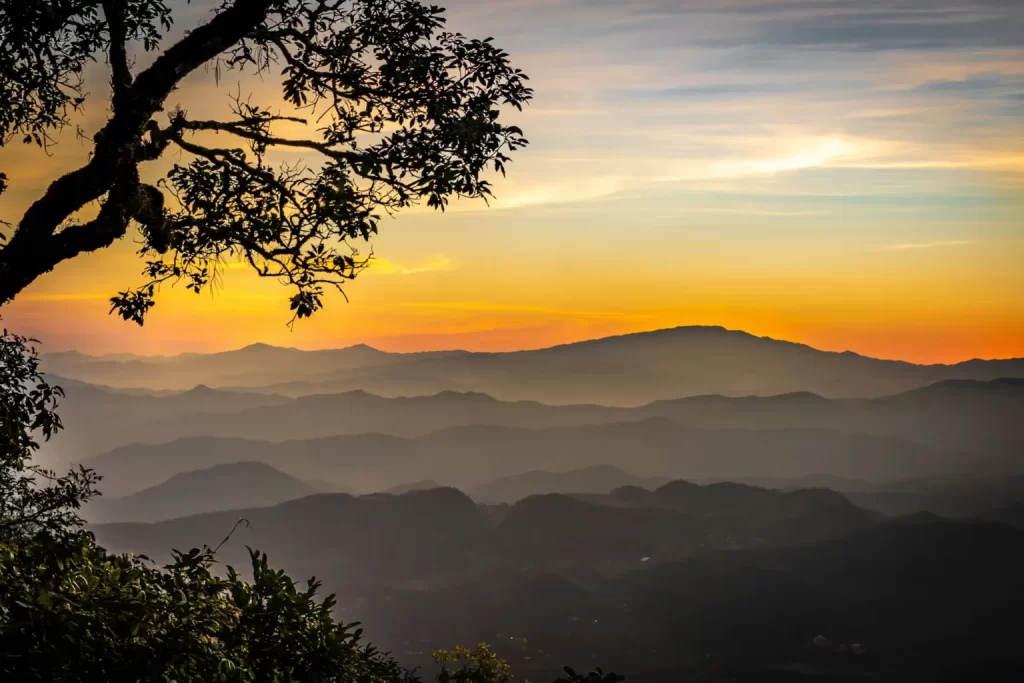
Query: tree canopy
391	107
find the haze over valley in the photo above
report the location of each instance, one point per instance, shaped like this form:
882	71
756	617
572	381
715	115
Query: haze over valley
714	469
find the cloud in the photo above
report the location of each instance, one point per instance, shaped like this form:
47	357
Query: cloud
907	246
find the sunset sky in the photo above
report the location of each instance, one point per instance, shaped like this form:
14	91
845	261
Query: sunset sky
844	173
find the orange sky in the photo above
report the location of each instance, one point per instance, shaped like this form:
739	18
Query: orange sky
848	198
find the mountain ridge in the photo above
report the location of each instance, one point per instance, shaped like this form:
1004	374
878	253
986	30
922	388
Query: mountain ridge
262	346
976	420
211	489
624	370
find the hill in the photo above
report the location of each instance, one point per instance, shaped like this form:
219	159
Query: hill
252	365
101	417
422	485
1012	514
686	582
550	530
593	479
974	419
912	599
222	487
351	541
368	462
471	456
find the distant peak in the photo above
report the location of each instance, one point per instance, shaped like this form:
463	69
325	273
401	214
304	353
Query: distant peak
703	329
799	396
258	346
362	347
921	517
465	395
949	386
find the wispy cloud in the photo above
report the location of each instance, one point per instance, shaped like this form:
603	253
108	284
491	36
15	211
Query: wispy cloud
907	246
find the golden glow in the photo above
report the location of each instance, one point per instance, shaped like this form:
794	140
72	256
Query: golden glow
859	200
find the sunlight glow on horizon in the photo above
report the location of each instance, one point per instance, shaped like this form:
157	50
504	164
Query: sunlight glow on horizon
794	173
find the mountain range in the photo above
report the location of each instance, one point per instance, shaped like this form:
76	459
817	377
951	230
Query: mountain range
594	479
627	370
468	439
717	582
686	504
474	455
977	420
358	535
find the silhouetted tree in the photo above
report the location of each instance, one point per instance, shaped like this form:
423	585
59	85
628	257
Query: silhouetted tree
397	110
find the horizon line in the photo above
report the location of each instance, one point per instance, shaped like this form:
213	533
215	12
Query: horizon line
586	340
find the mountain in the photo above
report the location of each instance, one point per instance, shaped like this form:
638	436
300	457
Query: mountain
368	462
327	486
626	370
977	420
359	412
920	598
961	495
549	530
556	531
967	416
593	479
755	515
98	418
471	456
222	487
950	496
611	533
1011	514
254	365
422	485
102	419
348	540
686	582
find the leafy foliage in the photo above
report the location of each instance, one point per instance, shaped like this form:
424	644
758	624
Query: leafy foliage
74	613
477	665
395	110
27	407
595	676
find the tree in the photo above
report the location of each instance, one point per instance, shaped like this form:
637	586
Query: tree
477	665
27	408
396	110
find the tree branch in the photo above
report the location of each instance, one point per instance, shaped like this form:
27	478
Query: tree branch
34	249
121	77
240	130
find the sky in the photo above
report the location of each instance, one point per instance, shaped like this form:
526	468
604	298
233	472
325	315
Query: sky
842	173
